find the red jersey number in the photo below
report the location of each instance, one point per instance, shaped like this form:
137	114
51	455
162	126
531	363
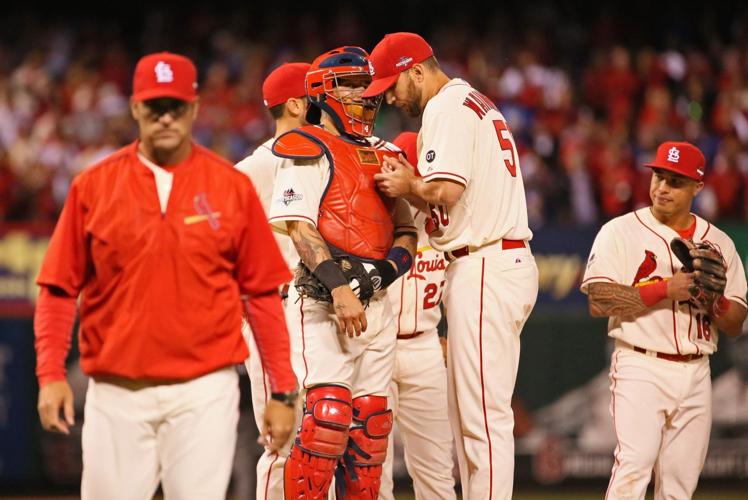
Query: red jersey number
430	292
506	145
704	327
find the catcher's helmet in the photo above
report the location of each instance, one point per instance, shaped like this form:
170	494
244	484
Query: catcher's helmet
346	66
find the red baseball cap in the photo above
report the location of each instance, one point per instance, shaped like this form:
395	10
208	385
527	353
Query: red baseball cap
408	142
396	53
680	157
284	82
164	74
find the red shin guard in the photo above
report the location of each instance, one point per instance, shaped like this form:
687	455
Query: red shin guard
320	442
367	448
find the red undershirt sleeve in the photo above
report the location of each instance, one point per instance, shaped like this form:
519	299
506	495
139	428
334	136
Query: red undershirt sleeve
268	324
53	325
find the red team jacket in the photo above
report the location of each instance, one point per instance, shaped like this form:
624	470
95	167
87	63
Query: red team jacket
160	294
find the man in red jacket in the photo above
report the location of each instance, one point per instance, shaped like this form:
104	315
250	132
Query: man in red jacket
167	246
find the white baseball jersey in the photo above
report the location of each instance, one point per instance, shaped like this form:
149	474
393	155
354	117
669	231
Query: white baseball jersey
415	297
634	250
261	167
465	139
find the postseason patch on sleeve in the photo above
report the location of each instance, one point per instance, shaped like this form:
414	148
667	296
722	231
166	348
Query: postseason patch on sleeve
290	196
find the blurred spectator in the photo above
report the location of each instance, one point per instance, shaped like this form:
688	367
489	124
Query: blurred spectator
587	98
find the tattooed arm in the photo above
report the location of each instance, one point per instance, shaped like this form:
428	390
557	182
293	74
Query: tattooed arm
313	251
612	299
308	242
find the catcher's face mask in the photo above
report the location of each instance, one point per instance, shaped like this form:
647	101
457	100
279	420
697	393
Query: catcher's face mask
335	84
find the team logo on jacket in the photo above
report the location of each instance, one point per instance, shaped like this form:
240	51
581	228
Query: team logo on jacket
205	213
289	196
646	268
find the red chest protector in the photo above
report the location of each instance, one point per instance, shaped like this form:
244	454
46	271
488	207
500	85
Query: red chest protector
353	215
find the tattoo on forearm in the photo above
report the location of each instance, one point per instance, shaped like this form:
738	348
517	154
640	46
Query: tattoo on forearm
308	242
612	299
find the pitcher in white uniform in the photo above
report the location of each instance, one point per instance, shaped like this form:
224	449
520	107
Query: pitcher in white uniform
660	378
472	188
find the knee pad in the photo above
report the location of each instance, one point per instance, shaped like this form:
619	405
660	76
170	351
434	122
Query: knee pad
367	449
327	417
372	423
321	440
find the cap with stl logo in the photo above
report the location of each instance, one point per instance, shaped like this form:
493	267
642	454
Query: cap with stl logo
283	83
680	157
396	53
164	74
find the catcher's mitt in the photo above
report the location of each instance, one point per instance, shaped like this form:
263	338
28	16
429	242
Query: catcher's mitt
308	285
707	264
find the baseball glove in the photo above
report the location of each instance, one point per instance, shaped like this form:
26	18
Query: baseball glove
707	264
309	286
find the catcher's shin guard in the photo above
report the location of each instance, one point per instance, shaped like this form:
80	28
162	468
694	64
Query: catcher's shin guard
320	442
367	449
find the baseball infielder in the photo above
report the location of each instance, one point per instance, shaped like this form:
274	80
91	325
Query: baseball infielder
327	202
660	378
418	391
285	97
472	187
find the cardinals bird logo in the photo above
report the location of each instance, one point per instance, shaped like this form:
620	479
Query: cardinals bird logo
646	268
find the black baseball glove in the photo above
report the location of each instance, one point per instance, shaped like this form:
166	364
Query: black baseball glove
708	266
359	279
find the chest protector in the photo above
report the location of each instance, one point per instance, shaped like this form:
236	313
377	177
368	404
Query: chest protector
353	216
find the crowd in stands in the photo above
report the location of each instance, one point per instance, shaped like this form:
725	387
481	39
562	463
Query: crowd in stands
587	105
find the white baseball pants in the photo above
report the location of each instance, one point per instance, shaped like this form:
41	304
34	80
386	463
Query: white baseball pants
418	399
182	435
489	296
662	414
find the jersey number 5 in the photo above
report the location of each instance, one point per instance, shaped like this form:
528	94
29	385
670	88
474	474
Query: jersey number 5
506	145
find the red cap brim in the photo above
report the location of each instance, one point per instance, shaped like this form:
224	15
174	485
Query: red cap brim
159	93
672	169
380	86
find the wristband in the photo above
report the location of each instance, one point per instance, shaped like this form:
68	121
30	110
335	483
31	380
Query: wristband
329	274
721	306
652	294
387	273
402	258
